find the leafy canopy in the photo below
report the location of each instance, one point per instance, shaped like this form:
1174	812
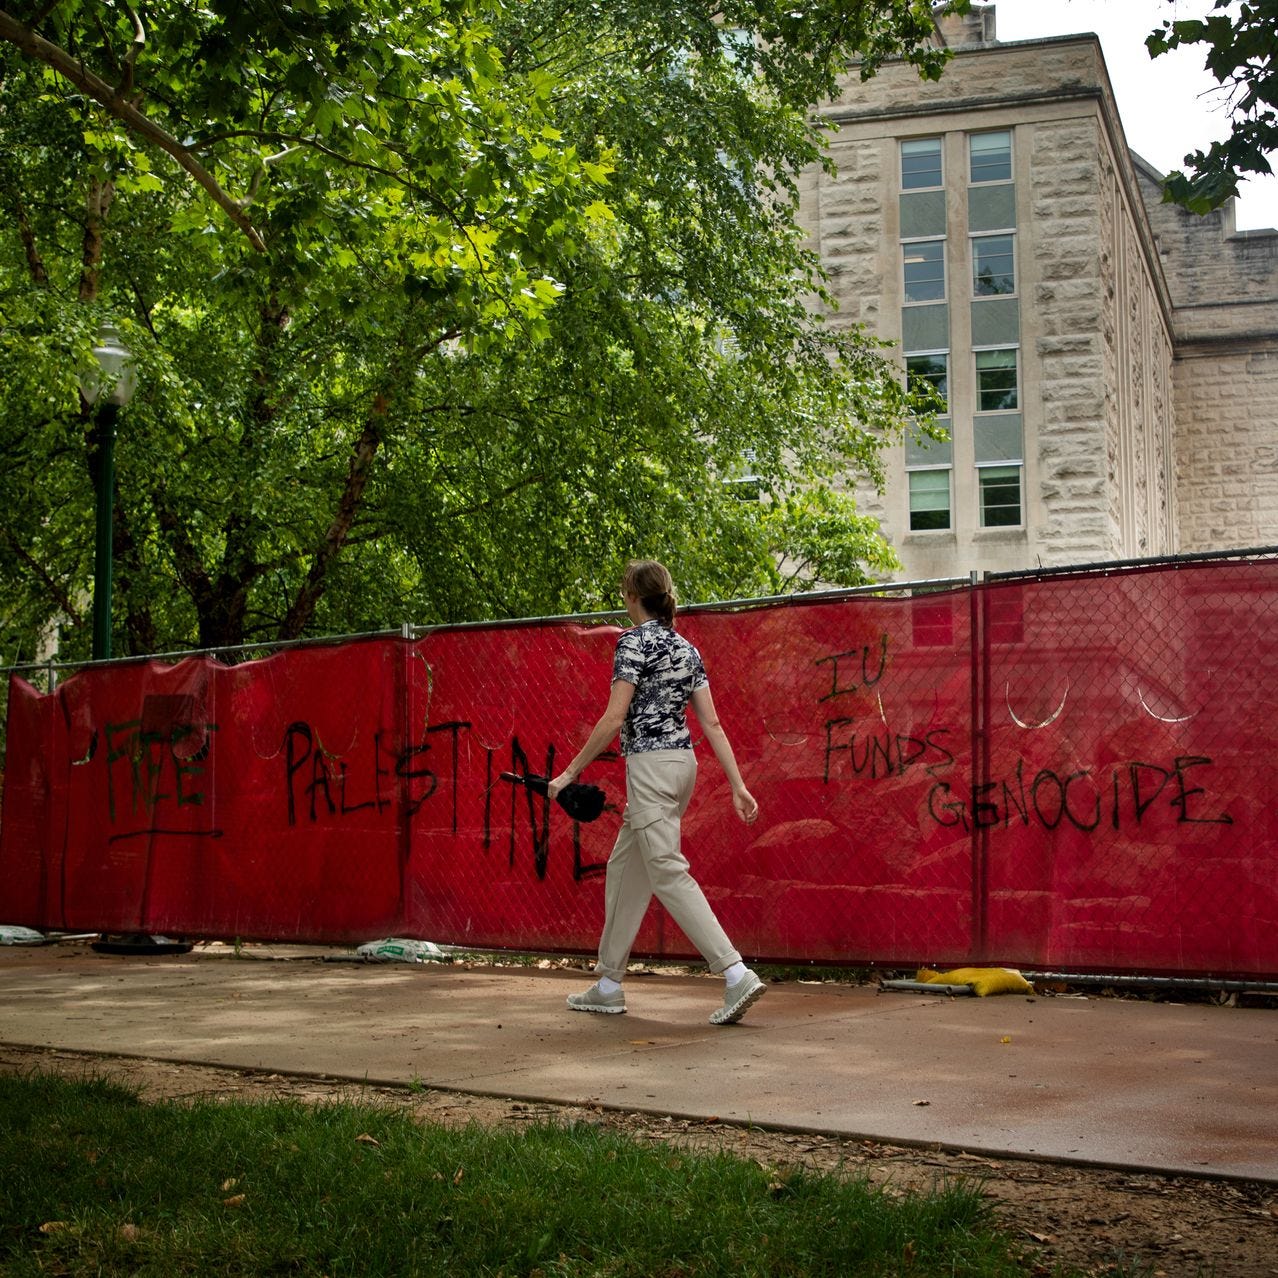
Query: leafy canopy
441	310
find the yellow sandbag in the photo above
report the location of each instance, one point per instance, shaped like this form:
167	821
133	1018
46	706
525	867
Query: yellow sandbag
983	980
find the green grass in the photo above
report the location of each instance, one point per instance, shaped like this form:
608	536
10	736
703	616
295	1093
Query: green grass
94	1181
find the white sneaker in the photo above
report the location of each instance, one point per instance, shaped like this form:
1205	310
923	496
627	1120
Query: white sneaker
595	1000
737	998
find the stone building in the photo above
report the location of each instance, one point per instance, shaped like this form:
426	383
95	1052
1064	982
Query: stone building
1109	363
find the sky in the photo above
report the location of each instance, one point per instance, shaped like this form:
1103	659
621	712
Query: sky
1169	105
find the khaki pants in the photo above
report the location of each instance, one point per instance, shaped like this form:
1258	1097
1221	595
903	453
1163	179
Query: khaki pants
646	861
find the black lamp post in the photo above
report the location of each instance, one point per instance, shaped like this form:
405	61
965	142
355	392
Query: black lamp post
109	386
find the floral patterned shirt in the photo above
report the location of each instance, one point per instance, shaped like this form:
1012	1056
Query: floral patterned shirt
666	670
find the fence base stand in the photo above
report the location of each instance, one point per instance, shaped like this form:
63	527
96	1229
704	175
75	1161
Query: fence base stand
927	987
139	944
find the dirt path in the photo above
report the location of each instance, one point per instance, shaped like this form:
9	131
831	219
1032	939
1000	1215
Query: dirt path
1101	1221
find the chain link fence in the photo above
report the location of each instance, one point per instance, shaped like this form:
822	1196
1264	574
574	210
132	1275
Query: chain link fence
1066	770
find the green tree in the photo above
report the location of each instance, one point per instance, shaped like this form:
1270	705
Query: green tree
441	310
1241	50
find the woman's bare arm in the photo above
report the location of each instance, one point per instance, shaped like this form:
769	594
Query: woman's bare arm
745	803
602	735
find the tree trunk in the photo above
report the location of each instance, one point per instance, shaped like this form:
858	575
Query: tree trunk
303	608
95	211
223	605
139	624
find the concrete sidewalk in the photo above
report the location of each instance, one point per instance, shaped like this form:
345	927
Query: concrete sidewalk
1118	1083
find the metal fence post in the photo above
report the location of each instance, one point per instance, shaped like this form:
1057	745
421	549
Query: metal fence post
979	676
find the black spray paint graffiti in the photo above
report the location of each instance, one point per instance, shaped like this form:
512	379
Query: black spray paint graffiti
1082	799
538	808
157	764
163	758
884	755
328	786
1129	792
849	659
320	786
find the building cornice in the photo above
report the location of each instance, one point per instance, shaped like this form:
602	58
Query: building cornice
957	106
1255	343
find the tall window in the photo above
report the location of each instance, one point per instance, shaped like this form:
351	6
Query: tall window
990	156
924	270
929	500
922	371
993	265
1000	496
920	163
996	381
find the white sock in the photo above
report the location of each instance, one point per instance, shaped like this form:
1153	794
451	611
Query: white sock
607	985
734	973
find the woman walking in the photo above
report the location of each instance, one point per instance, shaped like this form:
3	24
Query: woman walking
655	674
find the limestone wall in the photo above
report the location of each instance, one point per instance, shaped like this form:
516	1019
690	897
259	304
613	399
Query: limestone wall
1227	447
1140	417
1224	287
1070	330
1221	281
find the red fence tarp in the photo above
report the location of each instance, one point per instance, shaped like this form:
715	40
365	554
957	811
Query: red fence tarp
1072	773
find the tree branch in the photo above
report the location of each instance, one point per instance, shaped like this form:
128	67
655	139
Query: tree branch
139	622
45	10
60	596
35	46
186	558
335	536
26	233
139	41
488	503
300	142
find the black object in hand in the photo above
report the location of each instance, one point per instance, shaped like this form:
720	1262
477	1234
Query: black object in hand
582	802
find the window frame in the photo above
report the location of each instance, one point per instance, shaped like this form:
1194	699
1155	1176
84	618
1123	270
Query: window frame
948	471
973	240
1018	467
906	245
902	143
979	390
1011	157
943	355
